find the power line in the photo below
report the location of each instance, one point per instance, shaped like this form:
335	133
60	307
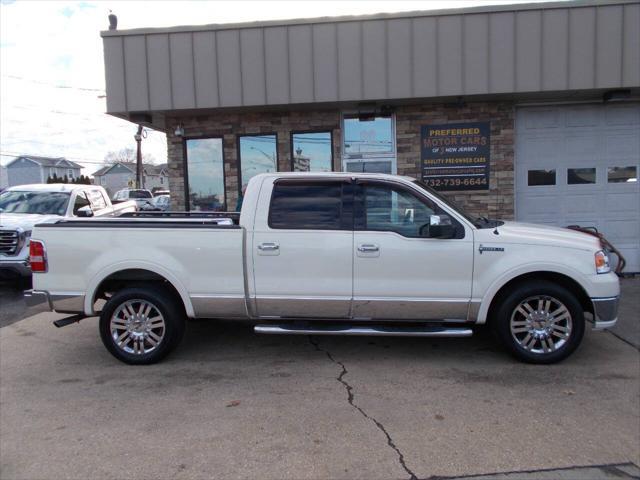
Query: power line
8	153
77	159
54	85
25	140
103	116
59	112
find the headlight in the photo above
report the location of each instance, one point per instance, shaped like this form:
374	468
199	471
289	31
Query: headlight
602	262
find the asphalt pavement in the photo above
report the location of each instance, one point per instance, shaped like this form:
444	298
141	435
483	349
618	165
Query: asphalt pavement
12	305
232	404
628	328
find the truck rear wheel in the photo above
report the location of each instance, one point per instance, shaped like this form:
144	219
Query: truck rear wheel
539	322
141	325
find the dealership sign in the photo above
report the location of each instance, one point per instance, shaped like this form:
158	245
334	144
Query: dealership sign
455	156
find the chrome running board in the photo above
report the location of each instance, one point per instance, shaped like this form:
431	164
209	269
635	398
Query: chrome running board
375	331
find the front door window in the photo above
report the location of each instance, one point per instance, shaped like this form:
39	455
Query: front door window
391	209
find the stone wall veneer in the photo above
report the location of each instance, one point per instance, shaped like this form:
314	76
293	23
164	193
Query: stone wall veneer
498	201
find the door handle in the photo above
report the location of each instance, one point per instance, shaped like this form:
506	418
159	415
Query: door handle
368	248
268	247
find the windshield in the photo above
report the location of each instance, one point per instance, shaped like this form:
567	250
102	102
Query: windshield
139	194
43	203
478	222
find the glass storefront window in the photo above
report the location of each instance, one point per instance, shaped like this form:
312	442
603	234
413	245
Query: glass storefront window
311	152
205	174
258	154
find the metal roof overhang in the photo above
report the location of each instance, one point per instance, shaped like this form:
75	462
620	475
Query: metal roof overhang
559	50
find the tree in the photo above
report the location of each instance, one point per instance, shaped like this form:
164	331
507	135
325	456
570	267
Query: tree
128	155
81	180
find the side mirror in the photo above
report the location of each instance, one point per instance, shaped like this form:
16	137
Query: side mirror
85	212
439	226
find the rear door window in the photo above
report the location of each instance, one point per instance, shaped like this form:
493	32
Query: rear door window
311	205
97	200
81	201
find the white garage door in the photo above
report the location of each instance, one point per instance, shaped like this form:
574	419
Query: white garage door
579	164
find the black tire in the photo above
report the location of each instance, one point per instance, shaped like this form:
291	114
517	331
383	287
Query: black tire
543	330
168	307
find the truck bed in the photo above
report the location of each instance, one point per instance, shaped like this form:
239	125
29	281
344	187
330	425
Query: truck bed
202	258
234	217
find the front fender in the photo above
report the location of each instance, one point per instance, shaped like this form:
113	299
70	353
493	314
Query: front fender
528	268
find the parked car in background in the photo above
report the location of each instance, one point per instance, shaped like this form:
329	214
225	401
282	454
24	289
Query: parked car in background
157	193
328	254
157	204
138	195
23	206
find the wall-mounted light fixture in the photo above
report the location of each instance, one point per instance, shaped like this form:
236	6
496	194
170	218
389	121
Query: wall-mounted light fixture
616	95
367	112
386	110
179	130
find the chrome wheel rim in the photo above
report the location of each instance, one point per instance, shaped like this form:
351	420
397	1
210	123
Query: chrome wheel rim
137	327
541	324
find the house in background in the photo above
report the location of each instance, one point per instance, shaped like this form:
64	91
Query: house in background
31	169
123	175
4	181
155	177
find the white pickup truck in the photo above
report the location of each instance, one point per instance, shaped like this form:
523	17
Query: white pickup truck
23	206
327	254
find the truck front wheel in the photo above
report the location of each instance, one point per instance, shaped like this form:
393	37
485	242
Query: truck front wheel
539	322
141	325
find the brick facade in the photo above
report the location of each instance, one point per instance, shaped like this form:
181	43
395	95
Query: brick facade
498	201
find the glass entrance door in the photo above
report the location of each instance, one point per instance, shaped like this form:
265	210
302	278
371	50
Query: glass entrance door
368	144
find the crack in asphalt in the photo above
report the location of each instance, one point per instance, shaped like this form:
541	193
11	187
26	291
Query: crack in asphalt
350	398
622	339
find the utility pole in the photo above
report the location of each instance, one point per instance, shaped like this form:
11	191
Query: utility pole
272	158
138	137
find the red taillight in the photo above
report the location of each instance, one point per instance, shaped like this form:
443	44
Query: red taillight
37	256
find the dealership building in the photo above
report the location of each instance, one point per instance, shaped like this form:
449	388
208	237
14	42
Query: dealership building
527	112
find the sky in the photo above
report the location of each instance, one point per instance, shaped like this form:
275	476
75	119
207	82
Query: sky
52	97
